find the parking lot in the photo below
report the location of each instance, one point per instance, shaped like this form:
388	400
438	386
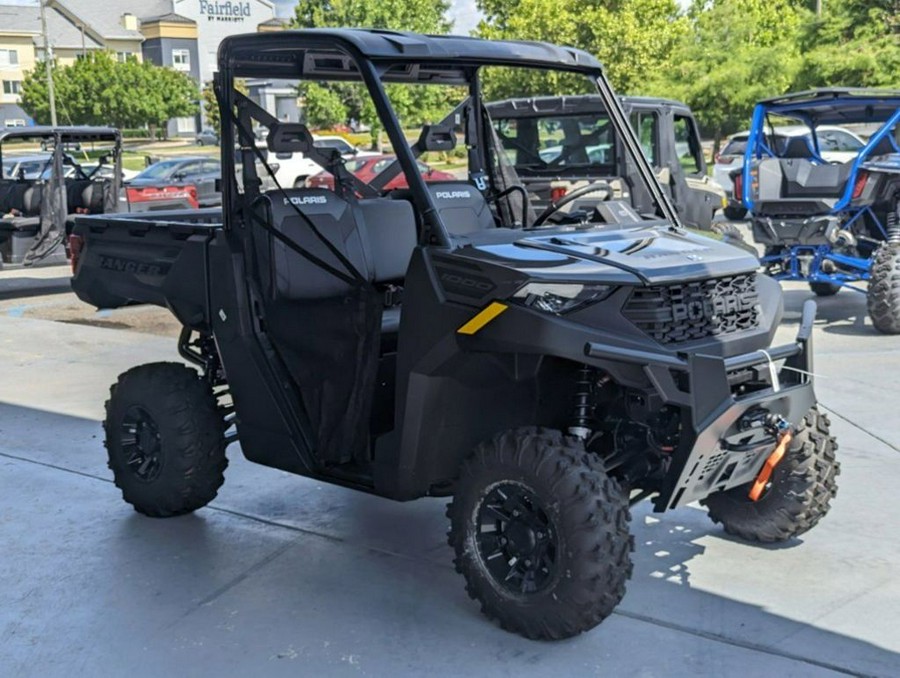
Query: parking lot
286	576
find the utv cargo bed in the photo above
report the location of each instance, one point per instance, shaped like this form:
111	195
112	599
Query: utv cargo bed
120	259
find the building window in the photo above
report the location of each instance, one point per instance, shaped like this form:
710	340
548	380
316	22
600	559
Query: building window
181	59
12	86
9	57
185	125
122	57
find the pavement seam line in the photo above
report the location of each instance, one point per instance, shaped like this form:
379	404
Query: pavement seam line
293	528
858	427
738	643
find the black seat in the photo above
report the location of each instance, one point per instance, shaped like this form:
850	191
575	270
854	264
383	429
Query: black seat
462	207
377	236
885	146
798	147
287	274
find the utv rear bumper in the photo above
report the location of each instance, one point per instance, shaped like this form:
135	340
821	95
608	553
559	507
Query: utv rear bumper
787	231
724	443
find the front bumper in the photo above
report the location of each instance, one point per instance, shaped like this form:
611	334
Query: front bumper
717	452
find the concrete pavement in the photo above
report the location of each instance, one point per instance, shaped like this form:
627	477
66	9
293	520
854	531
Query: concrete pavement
286	576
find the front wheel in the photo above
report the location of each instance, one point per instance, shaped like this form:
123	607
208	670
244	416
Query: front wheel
797	496
540	534
165	439
883	298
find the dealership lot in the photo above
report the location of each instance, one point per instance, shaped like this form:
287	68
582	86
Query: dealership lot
286	576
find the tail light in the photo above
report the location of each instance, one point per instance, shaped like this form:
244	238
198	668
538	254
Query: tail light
138	194
76	243
557	193
860	185
738	187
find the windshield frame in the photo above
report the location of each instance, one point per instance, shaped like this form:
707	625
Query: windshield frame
370	61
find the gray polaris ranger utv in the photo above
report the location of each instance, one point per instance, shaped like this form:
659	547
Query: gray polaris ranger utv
440	340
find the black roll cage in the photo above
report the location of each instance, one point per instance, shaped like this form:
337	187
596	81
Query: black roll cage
375	57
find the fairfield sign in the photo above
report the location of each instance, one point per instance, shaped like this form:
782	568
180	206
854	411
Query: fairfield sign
224	10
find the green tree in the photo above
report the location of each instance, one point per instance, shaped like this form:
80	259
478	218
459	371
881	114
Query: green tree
211	105
331	103
632	38
734	53
325	106
100	90
854	43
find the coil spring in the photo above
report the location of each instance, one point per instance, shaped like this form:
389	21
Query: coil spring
584	407
892	226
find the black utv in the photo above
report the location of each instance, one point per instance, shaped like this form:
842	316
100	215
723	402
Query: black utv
559	144
441	340
40	194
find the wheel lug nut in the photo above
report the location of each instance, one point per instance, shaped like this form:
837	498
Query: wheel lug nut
515	513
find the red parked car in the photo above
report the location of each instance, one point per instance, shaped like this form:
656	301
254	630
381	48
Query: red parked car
370	167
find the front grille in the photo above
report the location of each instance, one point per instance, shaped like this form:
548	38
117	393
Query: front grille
673	314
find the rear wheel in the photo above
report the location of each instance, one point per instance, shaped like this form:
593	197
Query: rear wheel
824	289
540	534
883	298
165	439
798	495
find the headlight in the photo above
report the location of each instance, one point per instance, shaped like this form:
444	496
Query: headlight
560	297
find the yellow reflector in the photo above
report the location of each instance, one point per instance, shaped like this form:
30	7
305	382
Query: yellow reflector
482	318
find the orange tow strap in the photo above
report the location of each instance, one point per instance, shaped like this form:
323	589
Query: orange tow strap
766	473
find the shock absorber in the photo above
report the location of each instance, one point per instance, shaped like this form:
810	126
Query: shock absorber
584	403
892	225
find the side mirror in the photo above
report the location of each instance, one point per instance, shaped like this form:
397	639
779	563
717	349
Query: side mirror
179	176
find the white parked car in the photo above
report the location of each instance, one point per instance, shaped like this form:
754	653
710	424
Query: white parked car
293	169
836	144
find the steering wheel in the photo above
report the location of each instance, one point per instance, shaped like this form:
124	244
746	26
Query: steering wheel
593	187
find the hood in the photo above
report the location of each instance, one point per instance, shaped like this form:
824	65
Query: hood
634	256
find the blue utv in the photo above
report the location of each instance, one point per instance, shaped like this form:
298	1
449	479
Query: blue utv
832	224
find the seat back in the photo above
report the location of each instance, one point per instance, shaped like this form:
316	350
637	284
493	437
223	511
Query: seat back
31	200
291	276
797	147
462	207
75	193
389	228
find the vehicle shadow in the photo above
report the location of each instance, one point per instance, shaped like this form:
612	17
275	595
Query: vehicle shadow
25	287
845	313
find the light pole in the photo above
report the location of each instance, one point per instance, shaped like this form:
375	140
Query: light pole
48	59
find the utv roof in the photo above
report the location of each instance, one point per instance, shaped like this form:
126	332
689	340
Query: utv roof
836	105
585	103
65	133
323	54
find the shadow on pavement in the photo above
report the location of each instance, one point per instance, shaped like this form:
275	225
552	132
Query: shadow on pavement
22	288
374	578
844	313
